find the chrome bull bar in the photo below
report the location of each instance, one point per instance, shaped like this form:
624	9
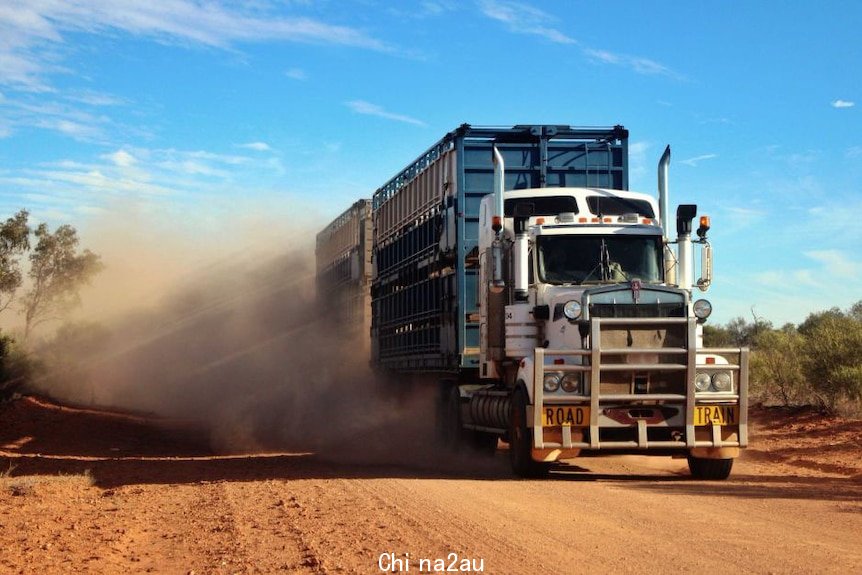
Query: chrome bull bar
592	364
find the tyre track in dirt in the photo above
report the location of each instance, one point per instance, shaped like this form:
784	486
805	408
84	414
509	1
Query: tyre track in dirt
175	507
626	515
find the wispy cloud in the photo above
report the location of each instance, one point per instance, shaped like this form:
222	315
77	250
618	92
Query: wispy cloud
638	64
524	19
296	74
843	104
151	176
256	146
739	218
836	218
836	263
69	119
437	7
121	158
369	109
93	98
830	264
693	162
76	130
521	18
33	32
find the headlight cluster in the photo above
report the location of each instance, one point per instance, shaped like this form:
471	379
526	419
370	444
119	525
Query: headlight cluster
719	381
702	309
552	382
570	382
572	309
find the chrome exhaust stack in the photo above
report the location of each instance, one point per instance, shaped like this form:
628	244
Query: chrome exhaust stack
663	192
497	219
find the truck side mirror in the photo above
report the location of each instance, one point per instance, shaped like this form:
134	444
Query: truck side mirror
705	279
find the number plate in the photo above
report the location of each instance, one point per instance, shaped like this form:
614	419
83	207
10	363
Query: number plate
565	416
716	414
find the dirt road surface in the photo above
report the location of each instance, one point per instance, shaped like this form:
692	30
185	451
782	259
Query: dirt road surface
92	492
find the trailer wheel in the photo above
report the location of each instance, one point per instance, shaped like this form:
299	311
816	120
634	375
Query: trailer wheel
521	440
711	469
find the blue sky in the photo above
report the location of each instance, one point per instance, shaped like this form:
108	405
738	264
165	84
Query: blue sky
189	109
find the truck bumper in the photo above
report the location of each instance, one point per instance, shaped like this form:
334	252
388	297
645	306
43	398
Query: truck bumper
639	422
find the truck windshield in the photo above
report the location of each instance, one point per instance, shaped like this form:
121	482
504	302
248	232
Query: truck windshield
598	259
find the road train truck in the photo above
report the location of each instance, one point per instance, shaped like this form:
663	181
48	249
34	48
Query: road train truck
512	268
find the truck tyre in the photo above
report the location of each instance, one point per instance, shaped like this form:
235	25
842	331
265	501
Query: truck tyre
521	440
711	469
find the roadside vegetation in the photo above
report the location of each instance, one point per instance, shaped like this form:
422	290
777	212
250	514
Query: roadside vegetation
816	363
56	270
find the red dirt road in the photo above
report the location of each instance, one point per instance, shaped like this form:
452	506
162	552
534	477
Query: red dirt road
94	492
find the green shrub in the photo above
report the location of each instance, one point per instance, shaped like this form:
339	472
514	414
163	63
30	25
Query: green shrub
775	374
832	361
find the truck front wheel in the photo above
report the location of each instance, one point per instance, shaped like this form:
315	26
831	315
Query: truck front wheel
521	439
712	469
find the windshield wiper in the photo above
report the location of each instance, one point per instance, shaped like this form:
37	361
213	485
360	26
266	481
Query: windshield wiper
605	261
603	265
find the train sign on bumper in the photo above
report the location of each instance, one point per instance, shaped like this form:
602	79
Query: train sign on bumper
716	415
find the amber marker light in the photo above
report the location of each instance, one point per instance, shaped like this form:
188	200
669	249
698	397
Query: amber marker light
704	227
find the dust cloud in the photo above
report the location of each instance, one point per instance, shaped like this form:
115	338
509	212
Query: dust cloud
228	333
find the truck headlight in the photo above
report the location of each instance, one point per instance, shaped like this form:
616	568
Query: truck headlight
722	381
551	382
572	309
702	381
571	382
702	309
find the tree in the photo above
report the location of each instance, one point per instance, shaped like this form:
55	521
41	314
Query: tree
57	273
814	320
738	332
14	241
833	359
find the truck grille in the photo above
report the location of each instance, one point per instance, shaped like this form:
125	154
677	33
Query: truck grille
625	310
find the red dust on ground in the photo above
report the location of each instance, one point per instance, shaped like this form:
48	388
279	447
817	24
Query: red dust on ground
92	491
